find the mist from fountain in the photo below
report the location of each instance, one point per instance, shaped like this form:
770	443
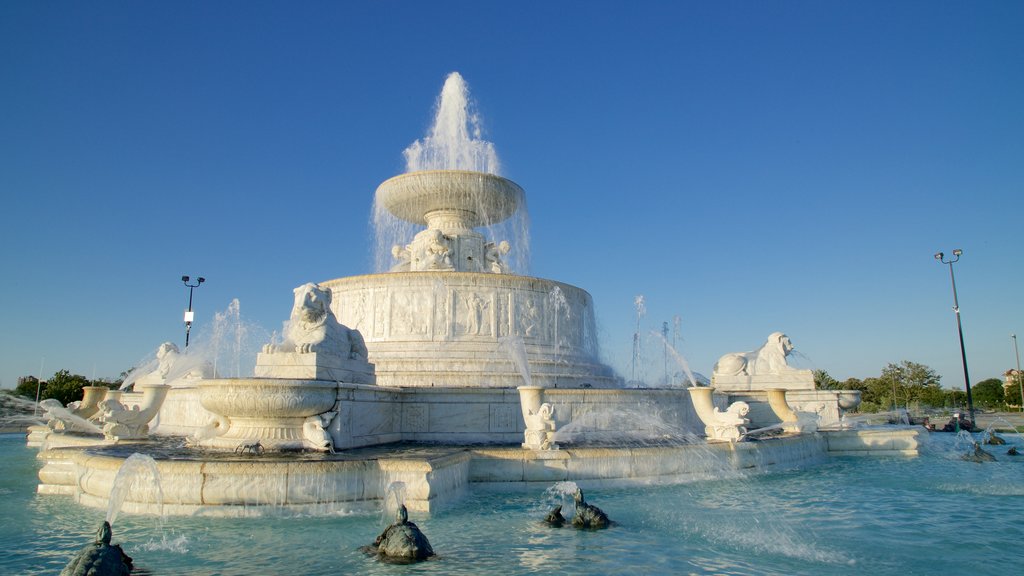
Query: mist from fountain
636	426
227	347
454	142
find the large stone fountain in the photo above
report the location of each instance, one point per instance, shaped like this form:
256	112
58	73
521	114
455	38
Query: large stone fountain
444	369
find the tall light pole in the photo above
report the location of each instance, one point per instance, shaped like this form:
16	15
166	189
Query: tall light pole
956	309
188	313
1020	381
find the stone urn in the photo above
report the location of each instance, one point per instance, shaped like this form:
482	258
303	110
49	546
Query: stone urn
848	399
269	411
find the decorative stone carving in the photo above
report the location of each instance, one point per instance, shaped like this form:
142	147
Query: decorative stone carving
75	417
768	359
272	411
450	203
793	421
761	369
121	423
539	418
312	327
493	254
719	426
315	430
403	257
316	345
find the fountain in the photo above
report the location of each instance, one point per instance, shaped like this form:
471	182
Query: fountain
449	375
447	368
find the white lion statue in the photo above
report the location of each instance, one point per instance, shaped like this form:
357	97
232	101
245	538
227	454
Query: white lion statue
313	328
768	359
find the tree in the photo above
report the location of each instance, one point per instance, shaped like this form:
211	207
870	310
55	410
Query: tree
911	382
823	381
988	393
27	386
65	387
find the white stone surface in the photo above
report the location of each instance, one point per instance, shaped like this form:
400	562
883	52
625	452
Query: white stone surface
426	329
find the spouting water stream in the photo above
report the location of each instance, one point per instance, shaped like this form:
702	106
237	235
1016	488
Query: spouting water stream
515	349
680	360
454	142
139	475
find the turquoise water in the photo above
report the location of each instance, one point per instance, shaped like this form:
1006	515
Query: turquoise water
934	514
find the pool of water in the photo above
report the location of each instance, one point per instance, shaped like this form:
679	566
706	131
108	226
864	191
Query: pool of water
934	514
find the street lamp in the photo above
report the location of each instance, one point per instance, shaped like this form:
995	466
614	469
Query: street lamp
1020	381
956	309
188	313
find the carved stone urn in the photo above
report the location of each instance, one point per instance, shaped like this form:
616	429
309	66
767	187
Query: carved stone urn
269	411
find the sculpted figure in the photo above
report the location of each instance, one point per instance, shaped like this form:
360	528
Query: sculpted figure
768	359
493	254
120	422
978	455
437	253
734	414
587	515
173	366
555	518
403	256
730	425
100	558
540	428
166	355
315	431
313	327
402	541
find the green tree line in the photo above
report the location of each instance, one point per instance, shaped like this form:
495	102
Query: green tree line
913	386
63	386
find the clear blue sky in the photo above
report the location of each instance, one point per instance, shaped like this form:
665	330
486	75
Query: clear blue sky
747	166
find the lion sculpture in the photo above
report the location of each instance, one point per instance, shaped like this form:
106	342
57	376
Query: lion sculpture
768	359
313	328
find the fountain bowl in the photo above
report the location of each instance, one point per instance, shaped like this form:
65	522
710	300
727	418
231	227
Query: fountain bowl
269	409
477	198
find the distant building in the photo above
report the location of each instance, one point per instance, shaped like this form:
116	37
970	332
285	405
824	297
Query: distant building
1011	387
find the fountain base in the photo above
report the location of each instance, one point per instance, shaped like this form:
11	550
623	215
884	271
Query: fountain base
435	476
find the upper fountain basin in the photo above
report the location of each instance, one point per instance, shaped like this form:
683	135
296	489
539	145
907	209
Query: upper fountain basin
480	198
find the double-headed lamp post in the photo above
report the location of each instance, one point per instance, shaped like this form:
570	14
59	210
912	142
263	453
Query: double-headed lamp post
956	309
188	313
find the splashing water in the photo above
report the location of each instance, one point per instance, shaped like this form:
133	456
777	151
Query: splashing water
454	142
677	357
394	498
139	475
227	347
515	349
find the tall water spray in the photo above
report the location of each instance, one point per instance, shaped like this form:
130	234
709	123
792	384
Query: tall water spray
454	142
